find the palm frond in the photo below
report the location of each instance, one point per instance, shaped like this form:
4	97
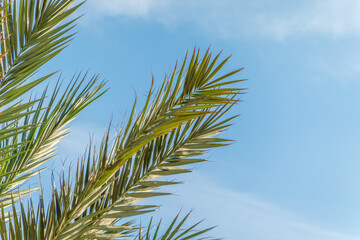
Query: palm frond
175	127
178	229
26	150
32	33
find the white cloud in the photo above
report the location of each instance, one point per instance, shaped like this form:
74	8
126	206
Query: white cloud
276	19
244	216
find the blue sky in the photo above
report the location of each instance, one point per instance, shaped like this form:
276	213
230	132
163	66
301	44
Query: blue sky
293	172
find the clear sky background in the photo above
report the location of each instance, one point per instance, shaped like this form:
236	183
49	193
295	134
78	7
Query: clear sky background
293	172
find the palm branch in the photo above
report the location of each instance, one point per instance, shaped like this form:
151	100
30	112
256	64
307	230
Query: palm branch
176	230
177	125
32	33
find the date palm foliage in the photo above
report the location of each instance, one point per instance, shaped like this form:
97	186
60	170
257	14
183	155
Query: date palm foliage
177	124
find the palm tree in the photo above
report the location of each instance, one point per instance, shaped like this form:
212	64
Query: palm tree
178	123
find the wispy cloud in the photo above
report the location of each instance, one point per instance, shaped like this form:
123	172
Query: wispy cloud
245	216
277	19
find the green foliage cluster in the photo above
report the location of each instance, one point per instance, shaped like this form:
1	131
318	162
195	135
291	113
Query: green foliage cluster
177	125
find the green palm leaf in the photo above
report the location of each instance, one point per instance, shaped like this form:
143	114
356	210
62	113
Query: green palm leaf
175	231
27	150
32	33
175	128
